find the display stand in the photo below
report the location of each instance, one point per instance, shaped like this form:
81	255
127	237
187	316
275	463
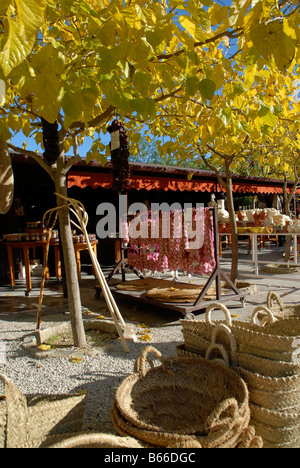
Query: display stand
122	265
200	303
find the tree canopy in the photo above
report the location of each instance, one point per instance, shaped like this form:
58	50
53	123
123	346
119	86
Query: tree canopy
81	62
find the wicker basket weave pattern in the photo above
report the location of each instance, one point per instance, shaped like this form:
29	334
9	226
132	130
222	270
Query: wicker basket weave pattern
182	400
37	421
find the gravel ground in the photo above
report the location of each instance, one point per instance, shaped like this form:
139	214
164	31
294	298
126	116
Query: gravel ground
98	376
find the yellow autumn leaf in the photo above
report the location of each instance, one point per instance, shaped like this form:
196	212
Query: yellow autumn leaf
100	317
44	347
146	337
76	360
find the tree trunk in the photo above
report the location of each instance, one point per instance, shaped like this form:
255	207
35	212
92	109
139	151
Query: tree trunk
233	226
69	259
287	201
6	178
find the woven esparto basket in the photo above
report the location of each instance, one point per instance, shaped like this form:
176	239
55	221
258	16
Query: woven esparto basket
37	421
281	310
274	401
272	392
98	441
180	400
279	429
272	339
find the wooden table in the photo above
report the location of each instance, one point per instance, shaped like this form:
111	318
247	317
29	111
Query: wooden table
258	240
27	245
78	247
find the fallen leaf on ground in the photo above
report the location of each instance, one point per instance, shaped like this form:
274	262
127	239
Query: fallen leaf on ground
76	360
44	347
146	337
142	325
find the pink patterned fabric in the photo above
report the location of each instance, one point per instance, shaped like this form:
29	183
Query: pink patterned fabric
170	243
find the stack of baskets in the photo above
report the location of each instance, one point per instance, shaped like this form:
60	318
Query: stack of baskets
265	356
184	402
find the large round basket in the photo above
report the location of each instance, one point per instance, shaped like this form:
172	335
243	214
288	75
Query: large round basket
182	399
281	310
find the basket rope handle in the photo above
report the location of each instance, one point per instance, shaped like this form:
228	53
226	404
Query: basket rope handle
215	306
267	320
140	363
212	347
220	347
214	419
270	298
101	439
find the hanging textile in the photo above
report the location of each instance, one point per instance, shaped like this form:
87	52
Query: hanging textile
175	240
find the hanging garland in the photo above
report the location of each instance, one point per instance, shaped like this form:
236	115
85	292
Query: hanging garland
51	142
119	149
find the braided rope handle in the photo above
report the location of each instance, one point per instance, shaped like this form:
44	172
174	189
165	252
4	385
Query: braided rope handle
274	296
216	306
215	422
104	440
267	320
140	363
250	439
221	327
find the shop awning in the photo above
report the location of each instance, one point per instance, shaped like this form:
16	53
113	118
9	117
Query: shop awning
240	187
83	179
139	182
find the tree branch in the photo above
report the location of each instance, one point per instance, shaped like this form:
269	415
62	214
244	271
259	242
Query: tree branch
96	121
214	169
76	158
231	34
34	156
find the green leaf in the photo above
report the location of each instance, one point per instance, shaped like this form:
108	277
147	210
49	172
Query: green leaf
71	104
270	119
47	96
22	31
263	110
4	132
141	82
145	107
226	116
3	6
207	88
122	101
15	50
276	38
191	85
89	96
